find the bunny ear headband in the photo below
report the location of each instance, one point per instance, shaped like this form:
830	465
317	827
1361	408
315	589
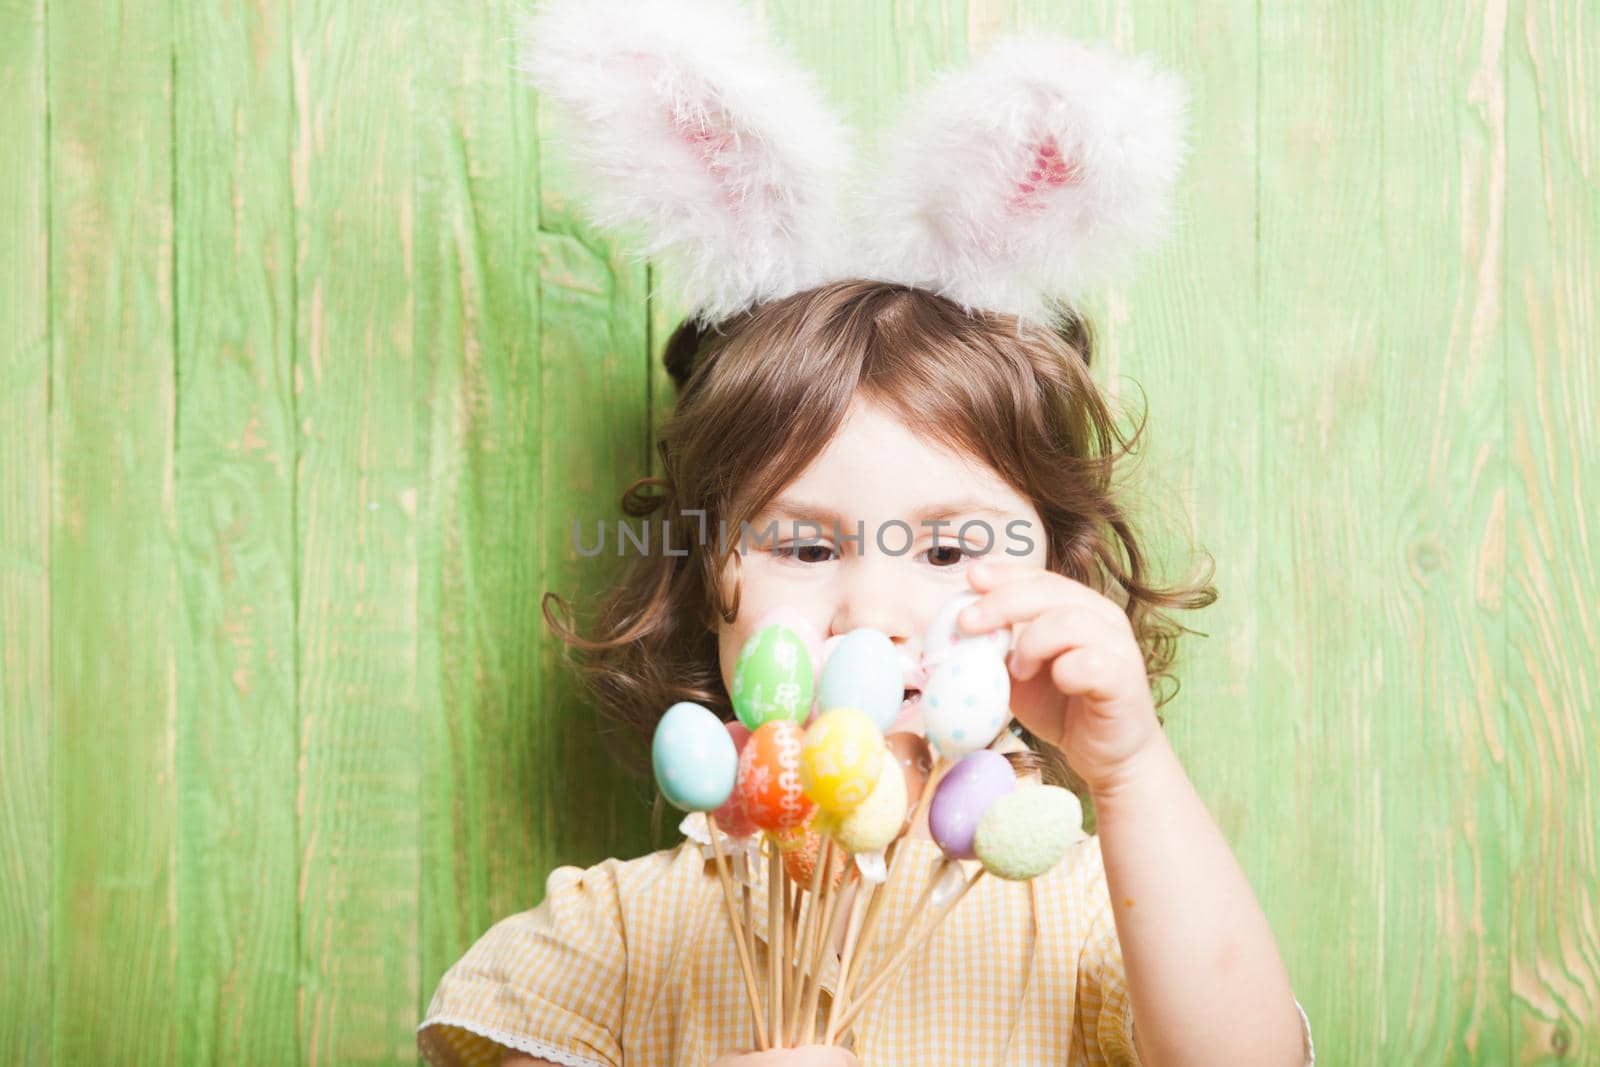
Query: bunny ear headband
1015	184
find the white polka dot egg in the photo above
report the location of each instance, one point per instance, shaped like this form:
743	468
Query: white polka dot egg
966	702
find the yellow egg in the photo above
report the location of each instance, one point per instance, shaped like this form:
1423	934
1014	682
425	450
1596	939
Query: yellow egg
840	759
825	823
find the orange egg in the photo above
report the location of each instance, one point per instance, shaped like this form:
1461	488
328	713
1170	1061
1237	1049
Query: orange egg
769	777
731	817
791	838
800	862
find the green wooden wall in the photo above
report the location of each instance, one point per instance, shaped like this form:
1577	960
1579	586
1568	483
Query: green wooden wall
306	362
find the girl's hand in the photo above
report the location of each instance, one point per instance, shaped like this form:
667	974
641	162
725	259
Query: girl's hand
1078	676
804	1056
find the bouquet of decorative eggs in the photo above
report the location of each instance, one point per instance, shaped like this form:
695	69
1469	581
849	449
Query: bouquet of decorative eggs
815	770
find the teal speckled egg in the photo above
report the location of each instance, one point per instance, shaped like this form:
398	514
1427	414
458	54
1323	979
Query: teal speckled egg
773	678
694	757
1026	832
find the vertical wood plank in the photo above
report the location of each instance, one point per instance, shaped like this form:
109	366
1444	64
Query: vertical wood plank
1438	734
113	594
237	847
25	712
1321	585
357	377
1180	346
1553	532
868	58
594	420
476	317
496	784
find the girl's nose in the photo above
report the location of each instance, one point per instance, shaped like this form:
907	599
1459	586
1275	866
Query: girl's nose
875	594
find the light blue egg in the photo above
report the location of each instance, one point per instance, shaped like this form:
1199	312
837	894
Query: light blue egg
694	758
863	671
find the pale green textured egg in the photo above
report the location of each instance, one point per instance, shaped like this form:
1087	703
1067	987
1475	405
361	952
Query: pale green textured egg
877	819
1026	832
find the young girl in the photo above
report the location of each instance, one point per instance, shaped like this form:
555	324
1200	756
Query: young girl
887	445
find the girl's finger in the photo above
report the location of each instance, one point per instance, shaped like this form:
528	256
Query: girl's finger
1042	591
1049	636
991	571
1086	672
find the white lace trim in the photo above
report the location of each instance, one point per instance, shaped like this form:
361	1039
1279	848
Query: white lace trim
1305	1032
516	1041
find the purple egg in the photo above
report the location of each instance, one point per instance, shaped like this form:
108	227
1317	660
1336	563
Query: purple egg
965	793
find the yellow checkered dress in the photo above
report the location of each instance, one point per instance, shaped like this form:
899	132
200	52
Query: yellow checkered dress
633	962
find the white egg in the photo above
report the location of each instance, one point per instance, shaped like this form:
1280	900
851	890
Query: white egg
863	671
944	636
966	702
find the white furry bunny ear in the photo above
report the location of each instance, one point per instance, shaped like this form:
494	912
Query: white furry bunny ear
694	129
1025	179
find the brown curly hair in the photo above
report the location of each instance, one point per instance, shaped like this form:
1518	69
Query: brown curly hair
758	398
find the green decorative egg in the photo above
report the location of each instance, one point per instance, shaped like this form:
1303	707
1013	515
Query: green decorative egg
1027	831
773	678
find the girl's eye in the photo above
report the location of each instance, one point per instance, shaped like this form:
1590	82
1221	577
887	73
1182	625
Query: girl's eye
947	555
797	552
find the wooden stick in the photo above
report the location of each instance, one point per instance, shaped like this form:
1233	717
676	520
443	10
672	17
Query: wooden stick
917	908
897	962
856	942
777	920
940	768
874	904
830	930
791	929
749	910
817	933
803	943
841	991
756	1007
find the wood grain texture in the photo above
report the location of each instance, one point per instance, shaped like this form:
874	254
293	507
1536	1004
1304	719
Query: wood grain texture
532	422
593	440
308	361
1552	657
1441	636
238	852
1317	677
25	715
358	378
477	315
113	565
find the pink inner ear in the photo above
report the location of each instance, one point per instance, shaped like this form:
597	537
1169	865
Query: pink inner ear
712	142
1047	170
709	135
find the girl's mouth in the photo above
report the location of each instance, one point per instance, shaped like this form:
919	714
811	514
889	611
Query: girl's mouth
909	717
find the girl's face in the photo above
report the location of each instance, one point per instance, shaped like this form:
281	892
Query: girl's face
876	473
